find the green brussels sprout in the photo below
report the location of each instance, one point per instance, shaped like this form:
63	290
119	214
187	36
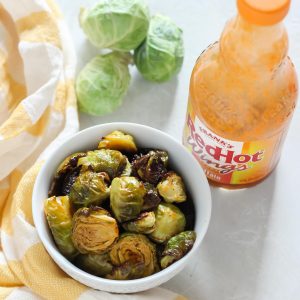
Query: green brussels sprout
133	256
59	216
102	83
89	188
96	264
151	199
151	167
116	24
94	230
65	175
118	140
172	188
160	56
144	223
109	161
169	221
176	247
126	198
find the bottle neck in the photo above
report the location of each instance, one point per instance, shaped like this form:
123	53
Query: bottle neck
245	46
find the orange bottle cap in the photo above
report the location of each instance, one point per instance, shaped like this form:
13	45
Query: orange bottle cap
263	12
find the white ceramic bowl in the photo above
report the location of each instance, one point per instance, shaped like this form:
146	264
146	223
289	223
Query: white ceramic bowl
180	160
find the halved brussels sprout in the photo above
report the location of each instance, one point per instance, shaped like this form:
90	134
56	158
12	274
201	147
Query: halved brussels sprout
96	264
177	246
126	197
128	169
133	256
94	230
59	216
144	223
65	175
89	188
172	188
151	199
118	140
169	221
152	166
112	162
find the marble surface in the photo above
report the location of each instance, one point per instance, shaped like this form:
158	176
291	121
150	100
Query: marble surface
252	248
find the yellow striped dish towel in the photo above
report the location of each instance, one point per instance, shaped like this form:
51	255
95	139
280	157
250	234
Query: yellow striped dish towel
37	112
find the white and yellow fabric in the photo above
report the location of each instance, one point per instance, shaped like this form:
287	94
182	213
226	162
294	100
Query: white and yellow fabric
37	112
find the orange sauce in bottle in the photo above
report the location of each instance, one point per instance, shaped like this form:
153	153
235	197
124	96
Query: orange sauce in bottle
243	91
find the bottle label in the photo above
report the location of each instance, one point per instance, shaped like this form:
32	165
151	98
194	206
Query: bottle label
231	162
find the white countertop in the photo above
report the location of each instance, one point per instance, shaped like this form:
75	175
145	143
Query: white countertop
252	248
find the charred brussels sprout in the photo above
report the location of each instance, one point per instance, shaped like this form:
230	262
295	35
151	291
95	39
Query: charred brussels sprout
89	188
118	140
112	162
65	175
133	256
171	188
94	230
169	221
96	264
59	216
151	199
126	198
144	223
177	246
152	166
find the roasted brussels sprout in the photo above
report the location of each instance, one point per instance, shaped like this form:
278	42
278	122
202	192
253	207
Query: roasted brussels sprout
94	230
59	216
171	188
133	256
177	246
118	140
112	162
96	264
89	188
151	199
169	221
144	223
152	166
126	198
65	175
128	169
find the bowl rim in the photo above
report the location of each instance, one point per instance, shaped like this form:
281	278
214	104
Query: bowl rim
61	260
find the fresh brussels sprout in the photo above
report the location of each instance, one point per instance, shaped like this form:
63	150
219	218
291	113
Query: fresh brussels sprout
151	199
59	216
144	223
94	230
65	175
118	140
102	83
126	197
96	264
176	247
160	56
128	169
89	188
171	188
169	221
112	162
152	166
133	256
116	24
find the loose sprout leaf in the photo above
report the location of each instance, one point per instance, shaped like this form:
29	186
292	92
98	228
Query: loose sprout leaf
144	223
